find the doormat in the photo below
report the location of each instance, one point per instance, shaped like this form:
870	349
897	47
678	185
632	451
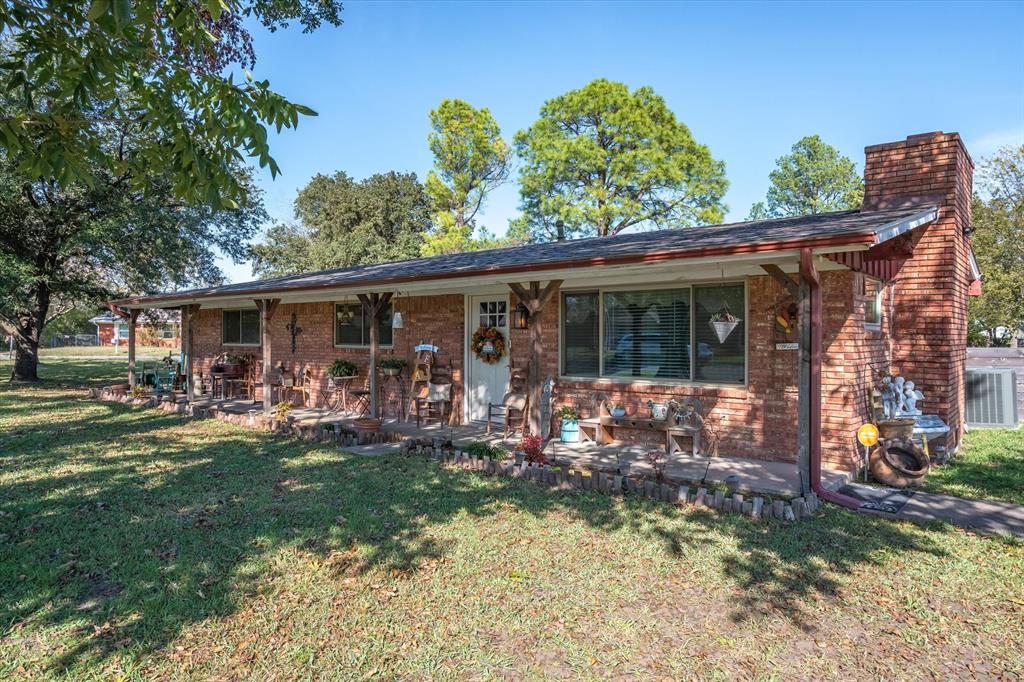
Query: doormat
887	500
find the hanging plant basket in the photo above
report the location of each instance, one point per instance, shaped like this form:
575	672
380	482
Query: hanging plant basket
724	323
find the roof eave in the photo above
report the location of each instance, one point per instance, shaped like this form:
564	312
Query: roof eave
899	227
849	241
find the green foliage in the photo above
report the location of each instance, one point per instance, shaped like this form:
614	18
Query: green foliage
602	159
342	368
392	362
76	70
343	222
567	413
470	159
480	450
998	243
813	178
67	246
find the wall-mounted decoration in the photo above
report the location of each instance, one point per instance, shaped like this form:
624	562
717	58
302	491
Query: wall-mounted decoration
488	344
294	329
396	320
786	327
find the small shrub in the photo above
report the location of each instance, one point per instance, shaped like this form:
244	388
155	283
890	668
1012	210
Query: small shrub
392	362
486	450
533	446
138	391
282	410
657	460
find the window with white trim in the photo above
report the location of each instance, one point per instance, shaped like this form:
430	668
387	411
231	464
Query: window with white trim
656	334
873	289
240	327
352	326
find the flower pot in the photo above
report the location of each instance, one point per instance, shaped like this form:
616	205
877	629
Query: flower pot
723	329
391	371
889	429
618	412
658	410
899	463
366	424
520	456
570	431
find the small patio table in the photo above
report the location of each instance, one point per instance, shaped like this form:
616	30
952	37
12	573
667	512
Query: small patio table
224	378
336	394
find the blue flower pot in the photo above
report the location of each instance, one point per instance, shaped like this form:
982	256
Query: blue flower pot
570	431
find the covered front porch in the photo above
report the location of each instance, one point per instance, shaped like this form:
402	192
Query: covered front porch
755	476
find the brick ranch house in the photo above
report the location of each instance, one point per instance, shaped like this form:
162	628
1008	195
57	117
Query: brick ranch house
112	330
882	287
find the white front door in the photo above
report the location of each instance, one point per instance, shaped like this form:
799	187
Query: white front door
487	383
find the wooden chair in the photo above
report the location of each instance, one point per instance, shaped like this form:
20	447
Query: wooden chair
514	405
303	386
437	404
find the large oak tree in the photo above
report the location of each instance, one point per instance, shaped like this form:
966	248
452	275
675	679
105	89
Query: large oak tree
344	222
603	159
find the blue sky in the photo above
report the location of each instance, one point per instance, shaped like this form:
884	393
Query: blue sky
748	79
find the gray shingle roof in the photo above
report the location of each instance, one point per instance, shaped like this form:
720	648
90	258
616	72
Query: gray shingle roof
849	227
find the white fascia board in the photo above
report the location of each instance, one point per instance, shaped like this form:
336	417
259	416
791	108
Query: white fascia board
895	229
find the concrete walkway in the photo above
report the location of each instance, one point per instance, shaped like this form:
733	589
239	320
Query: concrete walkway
991	518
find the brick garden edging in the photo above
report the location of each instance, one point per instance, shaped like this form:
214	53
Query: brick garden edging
572	478
575	478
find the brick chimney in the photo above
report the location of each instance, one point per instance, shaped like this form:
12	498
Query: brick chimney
929	344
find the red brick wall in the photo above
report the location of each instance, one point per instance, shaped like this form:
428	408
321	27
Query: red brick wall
434	319
930	290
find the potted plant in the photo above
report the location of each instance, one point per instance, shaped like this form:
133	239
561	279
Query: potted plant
570	423
618	410
392	366
341	369
282	413
723	323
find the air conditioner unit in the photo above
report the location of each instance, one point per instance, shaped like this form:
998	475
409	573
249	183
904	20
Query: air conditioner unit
992	398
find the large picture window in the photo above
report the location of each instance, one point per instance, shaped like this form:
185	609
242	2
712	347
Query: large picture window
352	326
241	328
656	334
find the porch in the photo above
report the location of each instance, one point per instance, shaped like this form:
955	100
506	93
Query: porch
755	476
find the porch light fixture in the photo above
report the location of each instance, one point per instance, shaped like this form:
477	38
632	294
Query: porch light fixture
520	317
396	320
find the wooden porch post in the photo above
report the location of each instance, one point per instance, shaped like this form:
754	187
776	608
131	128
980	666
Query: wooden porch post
535	299
133	316
266	306
187	313
804	402
372	305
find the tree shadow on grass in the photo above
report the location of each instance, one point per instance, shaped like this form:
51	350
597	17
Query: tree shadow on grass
177	523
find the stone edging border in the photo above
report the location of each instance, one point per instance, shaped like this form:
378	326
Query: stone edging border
557	478
573	478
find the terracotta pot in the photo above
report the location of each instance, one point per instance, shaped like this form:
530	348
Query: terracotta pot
899	463
893	429
391	371
366	424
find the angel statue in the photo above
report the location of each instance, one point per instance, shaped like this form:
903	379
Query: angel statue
910	397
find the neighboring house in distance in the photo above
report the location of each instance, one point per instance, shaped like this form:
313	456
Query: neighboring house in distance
706	312
112	330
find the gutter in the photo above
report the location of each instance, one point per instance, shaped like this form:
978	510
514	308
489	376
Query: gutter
534	269
812	279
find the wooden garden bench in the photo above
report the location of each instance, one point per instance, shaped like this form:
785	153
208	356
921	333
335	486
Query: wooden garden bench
685	420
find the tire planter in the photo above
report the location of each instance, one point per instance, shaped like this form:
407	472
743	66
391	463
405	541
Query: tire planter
899	463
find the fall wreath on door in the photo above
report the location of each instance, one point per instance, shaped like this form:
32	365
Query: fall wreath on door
488	345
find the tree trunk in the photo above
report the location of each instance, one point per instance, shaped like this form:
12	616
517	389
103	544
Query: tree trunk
27	333
26	359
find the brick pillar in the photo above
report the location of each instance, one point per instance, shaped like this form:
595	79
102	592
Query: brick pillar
929	323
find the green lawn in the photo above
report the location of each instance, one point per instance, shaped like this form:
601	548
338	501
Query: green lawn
989	466
105	351
135	544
